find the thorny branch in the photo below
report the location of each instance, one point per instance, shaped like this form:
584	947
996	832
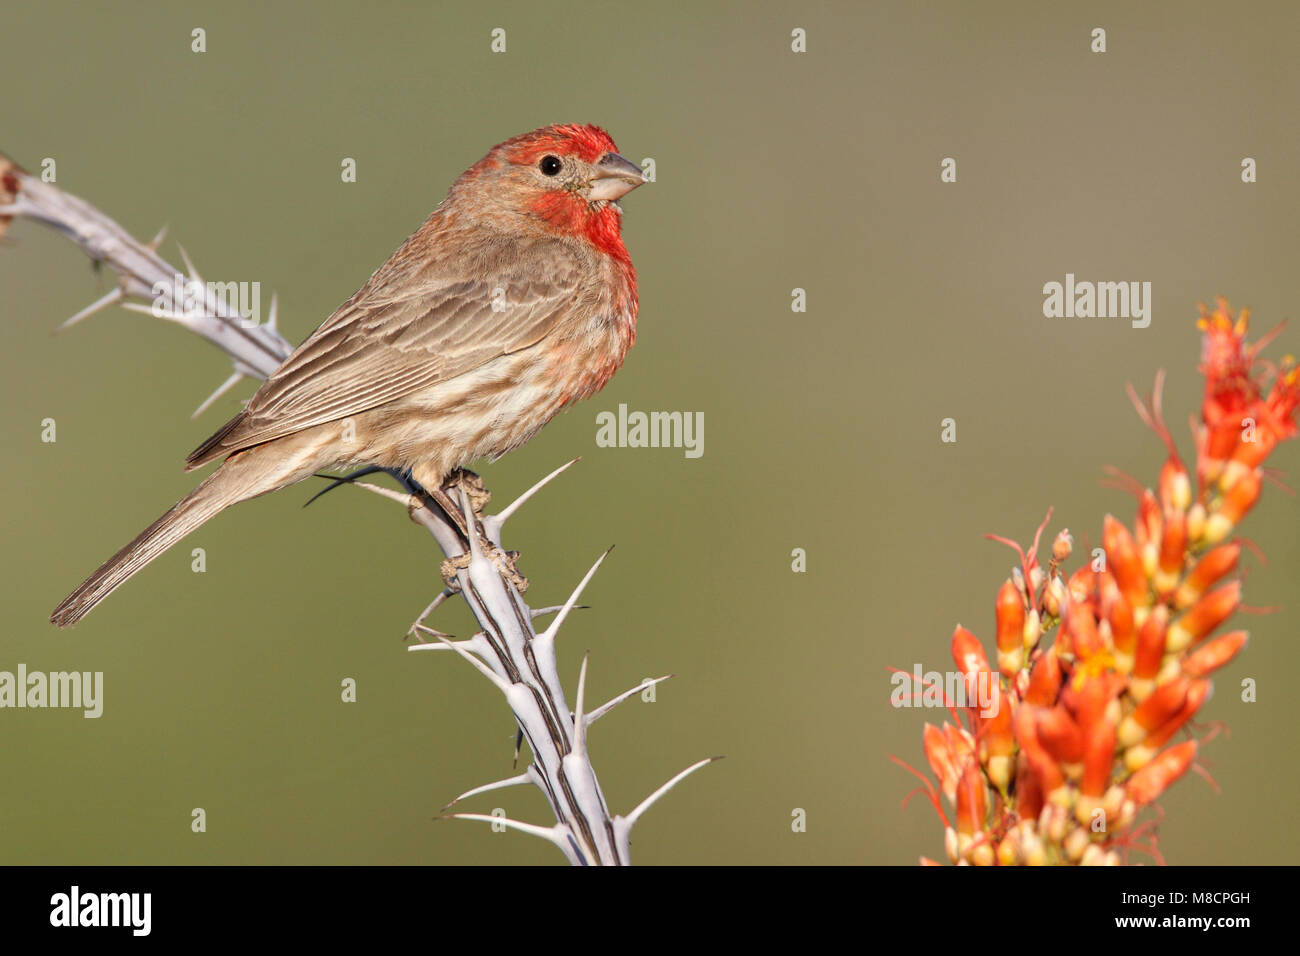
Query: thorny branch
520	662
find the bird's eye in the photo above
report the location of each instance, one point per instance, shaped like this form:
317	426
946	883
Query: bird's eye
550	165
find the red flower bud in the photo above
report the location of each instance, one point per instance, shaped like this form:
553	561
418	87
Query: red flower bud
1123	628
1098	758
1207	572
1153	779
1041	764
1123	561
1044	680
1173	551
1175	486
968	652
1147	530
1165	701
1204	616
1198	692
1010	613
972	801
1237	500
1151	643
1060	735
1213	654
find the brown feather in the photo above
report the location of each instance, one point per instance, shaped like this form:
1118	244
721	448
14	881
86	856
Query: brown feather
388	343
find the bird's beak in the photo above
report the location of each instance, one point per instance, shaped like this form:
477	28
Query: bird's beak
614	177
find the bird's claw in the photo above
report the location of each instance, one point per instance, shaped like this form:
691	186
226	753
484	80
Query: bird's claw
477	492
451	567
504	561
446	497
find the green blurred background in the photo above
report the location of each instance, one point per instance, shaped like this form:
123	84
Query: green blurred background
775	170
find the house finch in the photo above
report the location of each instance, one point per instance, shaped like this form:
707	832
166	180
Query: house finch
515	299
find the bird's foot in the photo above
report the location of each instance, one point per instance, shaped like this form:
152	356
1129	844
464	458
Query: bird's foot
448	497
477	492
445	503
504	561
479	496
451	567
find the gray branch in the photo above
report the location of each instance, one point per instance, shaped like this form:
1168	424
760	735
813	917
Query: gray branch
507	650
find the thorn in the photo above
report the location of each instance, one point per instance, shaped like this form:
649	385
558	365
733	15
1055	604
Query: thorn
445	645
471	528
630	820
498	785
500	683
550	632
609	705
579	722
224	387
442	596
117	295
169	314
345	480
194	273
153	244
417	628
539	611
494	523
399	497
557	834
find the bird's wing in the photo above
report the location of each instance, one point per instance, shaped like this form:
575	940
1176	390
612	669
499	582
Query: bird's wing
404	331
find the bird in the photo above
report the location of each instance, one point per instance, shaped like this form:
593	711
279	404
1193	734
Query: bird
515	299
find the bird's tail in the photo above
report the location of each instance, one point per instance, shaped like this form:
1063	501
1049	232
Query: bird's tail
242	476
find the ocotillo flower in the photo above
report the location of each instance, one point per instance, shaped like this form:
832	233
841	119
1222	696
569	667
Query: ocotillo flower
1080	734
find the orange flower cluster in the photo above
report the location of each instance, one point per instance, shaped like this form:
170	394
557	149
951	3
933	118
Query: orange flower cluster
1079	735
